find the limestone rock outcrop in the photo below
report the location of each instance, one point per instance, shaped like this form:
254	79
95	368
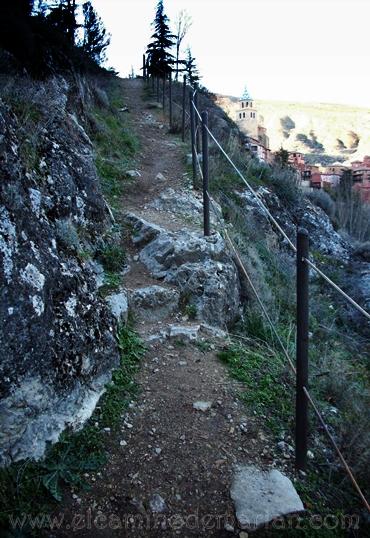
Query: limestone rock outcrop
200	267
57	343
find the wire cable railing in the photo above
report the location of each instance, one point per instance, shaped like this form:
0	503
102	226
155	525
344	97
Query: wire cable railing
269	319
279	228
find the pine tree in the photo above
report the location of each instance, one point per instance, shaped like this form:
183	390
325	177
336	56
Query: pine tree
282	157
191	68
15	28
63	17
160	59
95	39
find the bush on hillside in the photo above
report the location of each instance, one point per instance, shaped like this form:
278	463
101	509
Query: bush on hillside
285	183
323	200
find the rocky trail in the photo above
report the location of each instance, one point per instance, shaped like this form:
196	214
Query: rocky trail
171	467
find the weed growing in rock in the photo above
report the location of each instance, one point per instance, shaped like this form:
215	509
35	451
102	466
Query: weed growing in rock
191	311
112	258
203	346
112	281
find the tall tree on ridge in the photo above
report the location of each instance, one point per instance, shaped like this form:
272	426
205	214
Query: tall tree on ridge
15	27
183	23
191	68
63	17
160	59
95	39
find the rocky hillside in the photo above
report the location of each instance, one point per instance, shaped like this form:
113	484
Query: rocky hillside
131	300
325	132
58	346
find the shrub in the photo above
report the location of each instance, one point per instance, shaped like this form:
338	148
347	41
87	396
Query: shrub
323	200
112	258
285	183
363	251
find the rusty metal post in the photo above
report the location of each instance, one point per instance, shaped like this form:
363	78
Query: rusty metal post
170	96
147	72
301	418
164	91
197	133
205	170
144	68
183	108
192	138
153	83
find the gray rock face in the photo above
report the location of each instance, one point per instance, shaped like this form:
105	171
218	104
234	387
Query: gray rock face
199	266
142	231
262	496
154	302
323	237
157	504
189	332
186	204
118	305
213	288
56	333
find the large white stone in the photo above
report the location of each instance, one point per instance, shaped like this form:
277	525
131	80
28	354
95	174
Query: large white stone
153	303
142	231
118	305
189	332
262	496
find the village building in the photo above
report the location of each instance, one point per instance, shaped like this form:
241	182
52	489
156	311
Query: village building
361	178
247	116
296	160
250	123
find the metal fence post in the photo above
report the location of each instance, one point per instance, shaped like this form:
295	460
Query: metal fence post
192	131
197	134
205	169
183	108
164	91
170	96
147	72
144	67
301	418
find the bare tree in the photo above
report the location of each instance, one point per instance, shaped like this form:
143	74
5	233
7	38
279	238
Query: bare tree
182	25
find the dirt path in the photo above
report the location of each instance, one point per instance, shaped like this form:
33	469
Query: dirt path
161	162
166	447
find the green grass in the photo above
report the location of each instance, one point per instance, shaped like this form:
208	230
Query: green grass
112	282
29	487
31	122
203	345
191	311
112	258
267	389
115	144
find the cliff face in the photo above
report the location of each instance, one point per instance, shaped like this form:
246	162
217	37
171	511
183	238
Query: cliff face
57	341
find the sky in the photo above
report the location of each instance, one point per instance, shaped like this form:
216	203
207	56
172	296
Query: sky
291	50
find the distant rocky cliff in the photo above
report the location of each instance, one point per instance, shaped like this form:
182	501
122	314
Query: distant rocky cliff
57	335
328	132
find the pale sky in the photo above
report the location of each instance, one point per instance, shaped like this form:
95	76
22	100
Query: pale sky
295	50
